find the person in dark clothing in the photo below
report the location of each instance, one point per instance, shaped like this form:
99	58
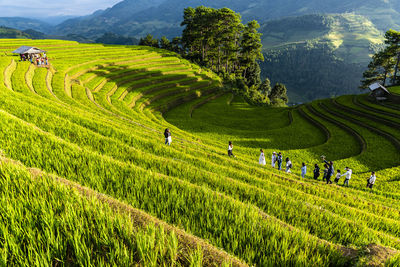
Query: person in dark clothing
325	172
316	172
279	160
331	171
167	135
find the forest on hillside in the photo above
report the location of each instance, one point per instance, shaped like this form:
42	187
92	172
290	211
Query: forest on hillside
311	71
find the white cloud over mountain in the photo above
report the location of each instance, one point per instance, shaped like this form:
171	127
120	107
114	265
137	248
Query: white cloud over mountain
49	8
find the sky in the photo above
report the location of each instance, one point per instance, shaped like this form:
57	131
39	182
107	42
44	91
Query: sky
50	8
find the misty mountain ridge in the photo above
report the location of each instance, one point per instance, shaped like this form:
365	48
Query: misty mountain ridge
25	24
163	17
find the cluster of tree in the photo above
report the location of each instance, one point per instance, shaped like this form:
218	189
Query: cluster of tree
384	65
112	38
164	43
217	39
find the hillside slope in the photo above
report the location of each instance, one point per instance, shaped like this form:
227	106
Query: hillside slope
95	120
351	36
318	56
163	17
25	24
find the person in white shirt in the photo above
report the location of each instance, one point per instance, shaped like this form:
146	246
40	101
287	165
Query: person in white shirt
273	159
168	138
261	160
347	175
303	170
288	165
371	180
230	150
338	175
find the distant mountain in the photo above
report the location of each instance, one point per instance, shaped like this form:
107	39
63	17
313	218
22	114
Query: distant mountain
9	33
162	17
55	20
352	37
318	56
25	24
116	19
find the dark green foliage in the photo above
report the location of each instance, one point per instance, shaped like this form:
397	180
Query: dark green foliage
165	43
278	94
252	75
385	63
176	45
11	33
35	34
216	39
311	71
149	40
252	94
211	37
265	87
111	38
379	69
250	47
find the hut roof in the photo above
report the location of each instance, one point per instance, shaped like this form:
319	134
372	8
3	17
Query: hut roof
376	86
28	50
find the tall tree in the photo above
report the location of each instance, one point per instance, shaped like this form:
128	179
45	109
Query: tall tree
393	41
250	47
149	40
165	43
228	32
379	69
278	94
190	30
217	39
265	87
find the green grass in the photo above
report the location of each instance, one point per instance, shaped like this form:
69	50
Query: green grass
46	223
103	127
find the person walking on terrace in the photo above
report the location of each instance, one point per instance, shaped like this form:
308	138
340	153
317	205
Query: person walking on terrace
303	170
371	180
261	160
325	172
288	165
279	160
168	138
316	172
273	159
230	150
338	175
347	175
331	170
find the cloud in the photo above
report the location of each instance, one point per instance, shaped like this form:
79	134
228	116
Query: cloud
49	8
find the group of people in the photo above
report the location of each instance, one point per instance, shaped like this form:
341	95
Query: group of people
328	172
37	59
277	161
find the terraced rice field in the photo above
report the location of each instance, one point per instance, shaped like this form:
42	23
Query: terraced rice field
87	180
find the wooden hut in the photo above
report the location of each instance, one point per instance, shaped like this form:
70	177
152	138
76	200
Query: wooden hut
379	92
